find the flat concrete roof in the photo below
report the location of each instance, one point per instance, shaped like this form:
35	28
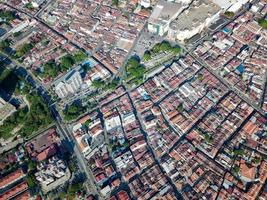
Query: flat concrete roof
196	14
164	11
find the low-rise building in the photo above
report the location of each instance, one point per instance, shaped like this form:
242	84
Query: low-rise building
44	145
11	178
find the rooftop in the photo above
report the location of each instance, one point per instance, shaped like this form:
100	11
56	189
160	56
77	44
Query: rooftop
5	109
164	11
43	145
5	181
197	13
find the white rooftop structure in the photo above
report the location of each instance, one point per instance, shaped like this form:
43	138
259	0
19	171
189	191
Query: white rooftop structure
162	15
68	84
230	4
112	122
199	15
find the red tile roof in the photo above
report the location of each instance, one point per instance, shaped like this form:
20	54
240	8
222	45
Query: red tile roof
122	195
50	151
13	192
10	178
24	196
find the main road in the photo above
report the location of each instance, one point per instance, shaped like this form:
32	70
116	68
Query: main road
63	128
66	133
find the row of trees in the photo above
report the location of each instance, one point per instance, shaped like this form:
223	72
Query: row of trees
165	46
108	85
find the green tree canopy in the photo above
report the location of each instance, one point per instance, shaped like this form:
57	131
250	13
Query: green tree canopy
229	14
66	62
79	56
8	15
263	23
24	49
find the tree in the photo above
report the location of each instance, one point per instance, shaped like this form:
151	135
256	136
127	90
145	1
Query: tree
147	56
98	83
208	138
133	63
8	15
135	71
239	152
176	49
24	49
257	160
66	62
200	76
31	181
29	6
236	169
72	166
73	189
32	165
73	111
113	85
180	108
263	23
16	34
165	46
79	56
115	2
229	14
4	44
51	69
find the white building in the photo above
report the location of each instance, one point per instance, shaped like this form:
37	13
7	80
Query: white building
162	15
231	5
35	3
20	26
145	3
112	123
70	84
192	21
52	174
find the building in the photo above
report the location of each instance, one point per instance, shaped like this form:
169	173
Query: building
231	5
11	178
6	109
192	21
52	173
69	84
15	191
145	3
44	145
162	15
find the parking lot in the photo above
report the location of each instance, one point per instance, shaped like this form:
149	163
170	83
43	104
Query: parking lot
146	41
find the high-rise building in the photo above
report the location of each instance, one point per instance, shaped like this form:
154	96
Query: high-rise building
70	84
6	109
